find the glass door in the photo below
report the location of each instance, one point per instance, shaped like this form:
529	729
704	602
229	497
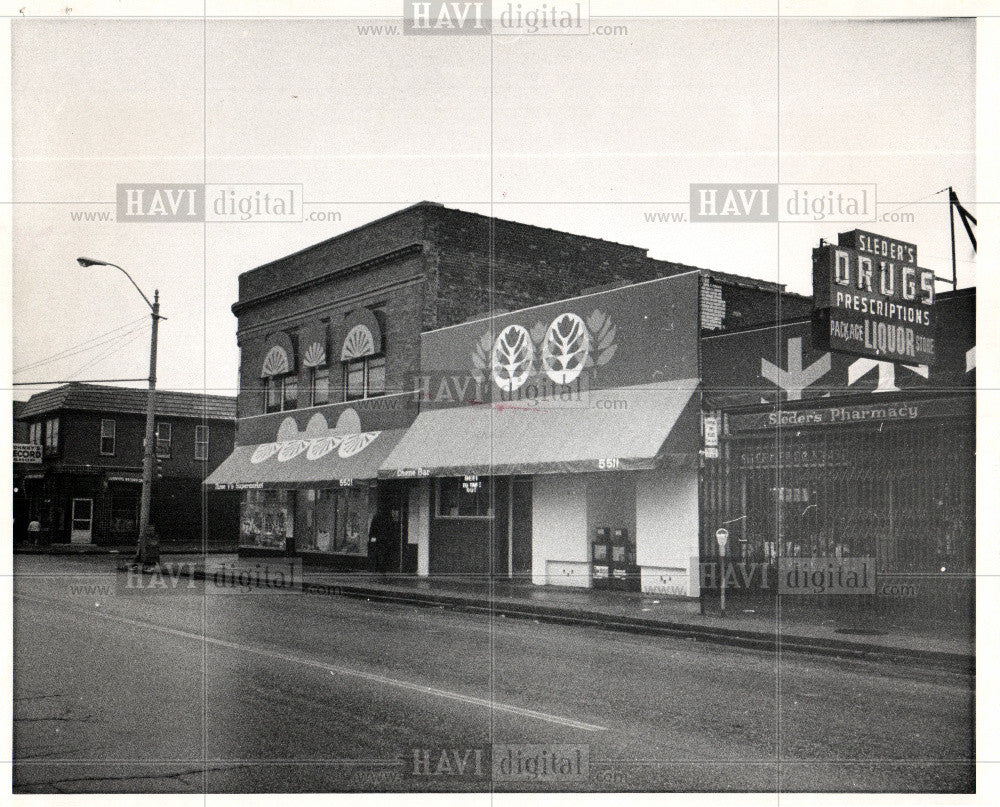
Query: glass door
81	530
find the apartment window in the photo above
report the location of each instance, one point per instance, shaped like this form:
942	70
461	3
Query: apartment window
201	442
463	497
163	437
108	438
280	393
52	434
319	386
364	378
35	434
375	382
290	392
270	405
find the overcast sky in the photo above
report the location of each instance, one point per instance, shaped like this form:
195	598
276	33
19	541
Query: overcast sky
587	134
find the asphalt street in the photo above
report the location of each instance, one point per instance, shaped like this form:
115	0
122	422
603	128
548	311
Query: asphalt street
227	690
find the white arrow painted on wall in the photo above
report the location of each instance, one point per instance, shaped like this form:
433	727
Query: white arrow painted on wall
796	378
886	372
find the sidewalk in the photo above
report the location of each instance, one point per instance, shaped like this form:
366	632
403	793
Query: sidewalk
169	548
799	629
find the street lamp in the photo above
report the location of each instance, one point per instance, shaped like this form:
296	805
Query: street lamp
148	550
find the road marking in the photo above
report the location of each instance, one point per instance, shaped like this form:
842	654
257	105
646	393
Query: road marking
333	669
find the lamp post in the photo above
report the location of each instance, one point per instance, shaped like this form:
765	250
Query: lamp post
149	551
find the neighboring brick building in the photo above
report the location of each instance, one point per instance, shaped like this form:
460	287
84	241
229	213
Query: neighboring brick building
87	487
19	500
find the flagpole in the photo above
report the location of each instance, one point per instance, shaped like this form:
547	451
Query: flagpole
951	216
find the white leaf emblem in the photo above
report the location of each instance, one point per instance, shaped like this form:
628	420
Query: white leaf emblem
513	355
481	352
565	349
321	446
359	343
291	449
264	452
356	443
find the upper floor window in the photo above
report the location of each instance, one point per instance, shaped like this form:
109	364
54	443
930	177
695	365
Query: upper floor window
163	438
201	442
52	434
281	385
108	438
362	354
319	386
364	378
35	433
281	393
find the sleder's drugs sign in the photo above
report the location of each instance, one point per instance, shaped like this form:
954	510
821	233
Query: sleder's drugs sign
871	299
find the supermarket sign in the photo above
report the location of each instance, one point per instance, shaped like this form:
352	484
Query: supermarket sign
871	299
27	453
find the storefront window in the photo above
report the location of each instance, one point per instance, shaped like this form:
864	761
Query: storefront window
355	510
463	497
335	521
266	519
840	494
125	513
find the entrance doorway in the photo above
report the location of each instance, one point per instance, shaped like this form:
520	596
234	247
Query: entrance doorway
393	553
512	527
82	526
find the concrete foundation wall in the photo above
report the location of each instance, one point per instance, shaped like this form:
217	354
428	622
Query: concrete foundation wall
667	531
559	543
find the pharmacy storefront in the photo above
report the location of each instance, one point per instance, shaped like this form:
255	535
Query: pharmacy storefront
827	455
560	442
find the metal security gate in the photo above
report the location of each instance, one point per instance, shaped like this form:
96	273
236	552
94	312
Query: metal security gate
902	494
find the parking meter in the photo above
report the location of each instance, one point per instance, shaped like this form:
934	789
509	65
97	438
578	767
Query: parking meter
722	538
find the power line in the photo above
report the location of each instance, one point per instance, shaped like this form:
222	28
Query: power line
74	381
108	354
71	354
83	344
98	341
916	201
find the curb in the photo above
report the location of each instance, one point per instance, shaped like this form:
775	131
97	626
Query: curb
734	637
115	550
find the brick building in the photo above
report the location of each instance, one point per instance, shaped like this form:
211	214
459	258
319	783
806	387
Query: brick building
87	488
330	344
432	393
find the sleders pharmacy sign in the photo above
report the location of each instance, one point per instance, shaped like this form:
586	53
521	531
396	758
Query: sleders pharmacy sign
871	299
883	412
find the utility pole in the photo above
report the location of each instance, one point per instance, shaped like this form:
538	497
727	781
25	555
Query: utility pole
149	550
